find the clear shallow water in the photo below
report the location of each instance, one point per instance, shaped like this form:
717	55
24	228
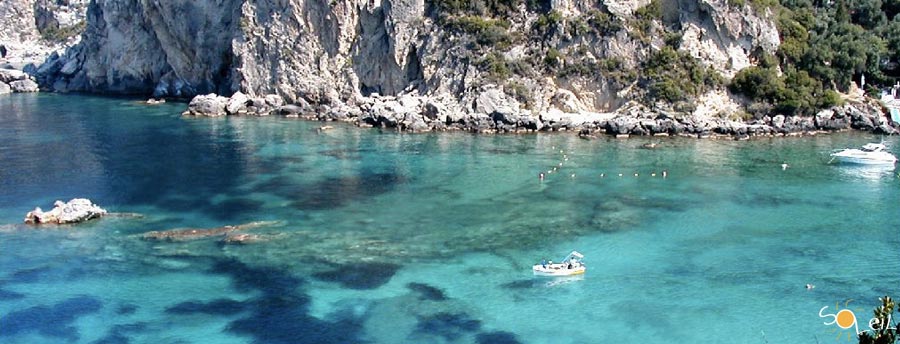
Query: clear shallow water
394	238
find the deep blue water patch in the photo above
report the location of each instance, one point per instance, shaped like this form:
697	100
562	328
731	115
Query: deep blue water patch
52	321
9	295
236	208
215	307
360	276
427	292
497	337
450	326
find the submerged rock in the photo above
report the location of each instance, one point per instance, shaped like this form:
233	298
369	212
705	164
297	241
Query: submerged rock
242	238
185	234
75	211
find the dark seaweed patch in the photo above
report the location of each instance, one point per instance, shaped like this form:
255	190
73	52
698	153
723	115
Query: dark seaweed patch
246	278
427	292
332	192
118	334
30	275
126	309
360	276
52	321
450	326
280	314
497	337
520	284
215	307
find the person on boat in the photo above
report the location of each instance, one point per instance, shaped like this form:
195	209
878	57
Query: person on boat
544	263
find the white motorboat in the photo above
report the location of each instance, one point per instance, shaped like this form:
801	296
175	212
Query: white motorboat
571	265
868	154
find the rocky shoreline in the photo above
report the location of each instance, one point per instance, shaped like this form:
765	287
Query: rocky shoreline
419	114
12	80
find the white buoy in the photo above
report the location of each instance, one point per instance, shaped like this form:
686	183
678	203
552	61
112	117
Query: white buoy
541	175
784	166
665	174
635	174
602	175
653	174
573	175
620	174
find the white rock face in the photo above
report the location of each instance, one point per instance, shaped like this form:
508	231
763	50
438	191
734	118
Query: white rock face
24	23
210	105
24	86
724	38
340	54
74	211
10	75
716	104
4	88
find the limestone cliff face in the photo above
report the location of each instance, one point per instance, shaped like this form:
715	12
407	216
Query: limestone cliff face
30	30
342	53
723	37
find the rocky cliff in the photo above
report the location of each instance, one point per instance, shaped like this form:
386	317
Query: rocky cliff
503	65
337	51
33	29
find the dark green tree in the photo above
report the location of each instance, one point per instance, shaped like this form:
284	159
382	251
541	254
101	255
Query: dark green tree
885	329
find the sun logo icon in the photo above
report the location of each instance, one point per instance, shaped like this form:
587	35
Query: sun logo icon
845	319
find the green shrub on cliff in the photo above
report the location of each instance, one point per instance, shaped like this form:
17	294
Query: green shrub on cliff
825	48
61	34
673	76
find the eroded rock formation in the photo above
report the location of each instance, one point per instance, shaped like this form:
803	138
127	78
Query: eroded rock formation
75	211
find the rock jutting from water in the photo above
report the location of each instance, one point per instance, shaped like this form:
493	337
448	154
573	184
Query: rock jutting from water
12	80
75	211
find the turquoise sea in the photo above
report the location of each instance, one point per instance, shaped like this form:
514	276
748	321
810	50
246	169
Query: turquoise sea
384	237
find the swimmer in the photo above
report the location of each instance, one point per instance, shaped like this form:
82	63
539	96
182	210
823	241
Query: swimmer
653	174
541	175
784	166
602	175
810	286
665	174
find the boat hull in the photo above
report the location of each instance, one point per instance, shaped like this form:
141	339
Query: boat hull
557	270
855	156
863	161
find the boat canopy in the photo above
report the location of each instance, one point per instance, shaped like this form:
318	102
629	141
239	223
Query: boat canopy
872	147
574	257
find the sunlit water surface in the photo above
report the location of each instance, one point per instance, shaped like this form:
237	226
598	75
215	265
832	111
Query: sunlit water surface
381	237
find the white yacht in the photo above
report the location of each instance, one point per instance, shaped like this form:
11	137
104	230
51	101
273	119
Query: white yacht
868	154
